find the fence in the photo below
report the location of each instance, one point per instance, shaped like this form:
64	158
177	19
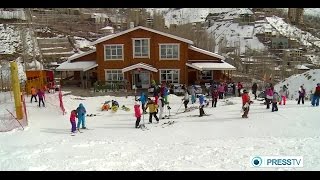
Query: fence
8	119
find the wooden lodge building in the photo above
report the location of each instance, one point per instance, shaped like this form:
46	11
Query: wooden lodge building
138	55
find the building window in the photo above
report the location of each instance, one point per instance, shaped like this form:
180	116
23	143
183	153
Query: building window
113	52
141	48
170	76
169	51
114	74
206	75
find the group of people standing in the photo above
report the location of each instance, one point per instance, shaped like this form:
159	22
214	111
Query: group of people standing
41	95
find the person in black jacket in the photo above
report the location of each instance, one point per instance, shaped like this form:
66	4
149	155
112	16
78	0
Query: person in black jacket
254	90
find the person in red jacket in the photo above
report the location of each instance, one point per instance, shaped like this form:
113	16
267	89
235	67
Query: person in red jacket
245	103
73	120
316	96
137	113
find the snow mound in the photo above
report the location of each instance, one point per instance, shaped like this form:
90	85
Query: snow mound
308	79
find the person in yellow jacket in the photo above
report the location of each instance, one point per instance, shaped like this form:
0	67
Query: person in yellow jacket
153	107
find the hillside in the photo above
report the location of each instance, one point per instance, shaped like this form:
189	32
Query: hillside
308	79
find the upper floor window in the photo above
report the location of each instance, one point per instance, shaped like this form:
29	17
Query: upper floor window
113	52
141	48
169	51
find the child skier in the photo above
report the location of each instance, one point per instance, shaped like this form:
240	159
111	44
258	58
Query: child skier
202	104
275	100
161	106
33	94
137	113
73	115
302	93
245	103
193	95
105	106
283	93
40	94
214	95
152	110
143	99
81	112
185	100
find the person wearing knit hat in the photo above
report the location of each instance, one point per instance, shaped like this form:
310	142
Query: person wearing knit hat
316	96
245	103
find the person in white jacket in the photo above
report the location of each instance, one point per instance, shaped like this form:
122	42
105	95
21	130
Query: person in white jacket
185	100
284	94
160	106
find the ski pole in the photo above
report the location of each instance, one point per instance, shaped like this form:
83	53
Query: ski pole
179	108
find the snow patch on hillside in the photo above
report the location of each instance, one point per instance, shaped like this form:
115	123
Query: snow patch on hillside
308	79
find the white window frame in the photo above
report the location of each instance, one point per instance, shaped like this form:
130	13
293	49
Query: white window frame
166	44
105	53
106	74
160	70
133	48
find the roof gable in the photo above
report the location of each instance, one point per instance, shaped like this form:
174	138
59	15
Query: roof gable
206	52
78	55
144	28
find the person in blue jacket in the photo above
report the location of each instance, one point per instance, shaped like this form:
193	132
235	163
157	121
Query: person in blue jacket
202	104
143	99
81	112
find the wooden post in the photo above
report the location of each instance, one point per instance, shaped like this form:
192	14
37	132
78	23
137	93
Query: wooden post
16	89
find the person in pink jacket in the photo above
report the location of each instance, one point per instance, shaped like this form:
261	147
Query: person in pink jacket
137	113
73	116
221	90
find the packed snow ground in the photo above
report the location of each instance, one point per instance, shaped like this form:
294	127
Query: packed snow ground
222	141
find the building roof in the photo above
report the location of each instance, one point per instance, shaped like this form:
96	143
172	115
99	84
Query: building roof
302	67
206	52
139	65
208	66
107	28
144	28
77	66
78	55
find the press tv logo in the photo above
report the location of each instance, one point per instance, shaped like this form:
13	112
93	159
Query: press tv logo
276	161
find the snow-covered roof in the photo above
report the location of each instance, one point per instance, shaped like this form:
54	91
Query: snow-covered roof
77	66
107	28
139	65
202	66
206	52
245	11
302	67
144	28
78	55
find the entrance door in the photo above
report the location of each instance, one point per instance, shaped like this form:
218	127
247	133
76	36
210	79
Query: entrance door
141	79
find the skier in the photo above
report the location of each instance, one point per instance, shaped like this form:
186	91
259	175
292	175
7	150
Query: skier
152	110
137	113
40	94
283	93
202	104
73	115
269	96
254	90
302	93
185	100
161	106
316	96
221	90
245	103
81	112
275	100
193	95
214	95
33	94
105	106
143	99
239	88
114	103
